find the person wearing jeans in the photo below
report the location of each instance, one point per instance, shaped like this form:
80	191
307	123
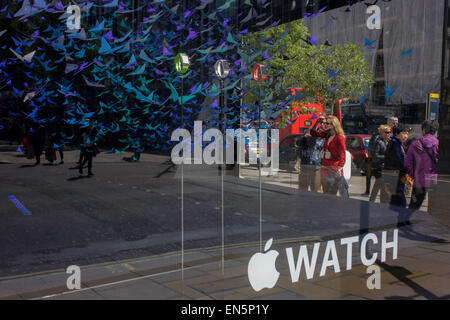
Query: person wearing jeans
307	172
395	165
378	145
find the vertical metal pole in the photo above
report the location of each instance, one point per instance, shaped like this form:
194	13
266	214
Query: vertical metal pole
182	190
182	170
222	104
259	172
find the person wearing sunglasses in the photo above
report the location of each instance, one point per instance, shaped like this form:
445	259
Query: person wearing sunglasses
378	146
333	160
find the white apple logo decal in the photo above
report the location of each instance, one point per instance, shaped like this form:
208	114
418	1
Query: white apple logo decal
261	268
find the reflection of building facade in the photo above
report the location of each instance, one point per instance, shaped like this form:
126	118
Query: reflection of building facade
405	52
410	53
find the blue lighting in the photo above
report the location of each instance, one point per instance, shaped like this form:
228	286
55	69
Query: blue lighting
19	206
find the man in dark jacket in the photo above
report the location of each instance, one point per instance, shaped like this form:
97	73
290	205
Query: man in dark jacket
378	146
307	171
38	135
88	151
395	166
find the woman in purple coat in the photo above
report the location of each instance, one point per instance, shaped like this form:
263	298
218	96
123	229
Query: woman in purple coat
422	163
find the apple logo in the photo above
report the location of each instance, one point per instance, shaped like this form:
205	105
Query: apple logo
261	268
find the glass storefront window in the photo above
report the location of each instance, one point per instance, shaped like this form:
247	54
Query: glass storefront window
316	167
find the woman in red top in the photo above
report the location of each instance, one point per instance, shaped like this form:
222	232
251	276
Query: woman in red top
333	160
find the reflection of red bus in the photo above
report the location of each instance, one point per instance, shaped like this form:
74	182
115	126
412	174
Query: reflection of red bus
350	113
296	120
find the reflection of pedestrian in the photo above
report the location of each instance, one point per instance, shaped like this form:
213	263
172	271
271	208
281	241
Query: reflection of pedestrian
58	141
392	122
88	150
137	141
369	173
50	154
422	162
306	173
309	152
316	162
37	141
78	141
395	165
333	159
15	132
137	153
26	139
378	145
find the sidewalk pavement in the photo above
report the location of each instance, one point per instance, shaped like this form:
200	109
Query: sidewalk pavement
10	155
421	271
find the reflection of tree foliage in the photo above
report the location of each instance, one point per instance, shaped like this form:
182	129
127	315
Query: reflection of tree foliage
293	62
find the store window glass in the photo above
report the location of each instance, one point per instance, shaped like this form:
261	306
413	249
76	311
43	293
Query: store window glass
224	150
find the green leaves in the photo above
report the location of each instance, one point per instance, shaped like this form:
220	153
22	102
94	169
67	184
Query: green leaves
293	63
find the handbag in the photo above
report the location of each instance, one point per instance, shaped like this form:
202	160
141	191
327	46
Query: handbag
335	181
408	182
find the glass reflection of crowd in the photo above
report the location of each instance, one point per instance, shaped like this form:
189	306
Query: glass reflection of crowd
37	139
401	165
322	156
49	140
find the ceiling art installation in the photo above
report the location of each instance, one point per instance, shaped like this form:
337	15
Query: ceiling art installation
112	63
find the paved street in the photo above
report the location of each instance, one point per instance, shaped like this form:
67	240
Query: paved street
357	183
122	226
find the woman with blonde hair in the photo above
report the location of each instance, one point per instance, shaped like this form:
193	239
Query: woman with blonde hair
333	160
